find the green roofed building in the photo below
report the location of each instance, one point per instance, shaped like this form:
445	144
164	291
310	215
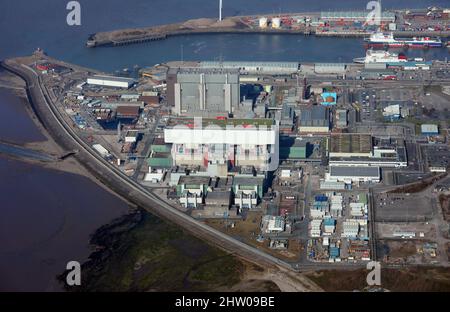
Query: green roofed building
158	145
293	149
159	160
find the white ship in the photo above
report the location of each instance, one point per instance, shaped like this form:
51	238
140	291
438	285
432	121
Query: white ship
375	56
388	40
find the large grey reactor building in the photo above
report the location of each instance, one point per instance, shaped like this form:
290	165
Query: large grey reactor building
206	92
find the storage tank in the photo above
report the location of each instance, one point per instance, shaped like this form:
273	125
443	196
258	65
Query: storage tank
276	22
263	22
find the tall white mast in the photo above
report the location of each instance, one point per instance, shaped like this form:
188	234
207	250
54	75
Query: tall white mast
220	10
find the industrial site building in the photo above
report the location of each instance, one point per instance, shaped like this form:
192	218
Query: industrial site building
349	174
207	92
363	150
350	145
314	119
280	68
220	144
111	81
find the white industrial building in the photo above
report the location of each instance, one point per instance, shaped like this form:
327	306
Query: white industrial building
358	209
336	205
429	129
111	81
282	68
330	68
350	228
273	224
101	150
332	185
360	150
220	144
349	174
315	228
131	136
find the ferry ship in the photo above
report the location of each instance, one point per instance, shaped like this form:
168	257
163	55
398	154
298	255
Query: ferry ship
388	40
374	56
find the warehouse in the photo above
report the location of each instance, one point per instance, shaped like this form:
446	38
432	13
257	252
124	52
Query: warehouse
280	68
352	16
314	119
294	149
341	118
429	129
350	145
159	160
330	68
355	174
111	81
127	112
386	152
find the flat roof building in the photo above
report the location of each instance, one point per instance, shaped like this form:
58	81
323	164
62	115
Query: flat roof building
127	112
111	81
255	67
207	92
355	16
351	174
429	129
314	119
350	145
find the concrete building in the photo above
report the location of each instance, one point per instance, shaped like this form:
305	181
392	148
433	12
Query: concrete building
350	145
341	118
273	224
314	119
223	144
131	136
315	228
192	190
110	81
332	185
248	191
294	149
272	68
364	150
350	228
330	68
207	92
355	16
217	204
355	174
429	129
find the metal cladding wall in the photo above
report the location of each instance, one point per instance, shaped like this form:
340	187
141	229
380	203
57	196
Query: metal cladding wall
185	135
109	83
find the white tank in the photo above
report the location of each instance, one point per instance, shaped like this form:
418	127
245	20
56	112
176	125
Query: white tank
276	22
263	22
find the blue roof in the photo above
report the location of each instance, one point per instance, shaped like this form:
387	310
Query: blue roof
329	221
334	252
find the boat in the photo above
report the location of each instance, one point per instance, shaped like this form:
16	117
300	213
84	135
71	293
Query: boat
388	40
377	56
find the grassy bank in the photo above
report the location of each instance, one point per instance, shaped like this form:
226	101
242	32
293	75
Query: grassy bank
140	252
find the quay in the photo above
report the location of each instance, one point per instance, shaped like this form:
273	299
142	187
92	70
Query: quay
402	23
